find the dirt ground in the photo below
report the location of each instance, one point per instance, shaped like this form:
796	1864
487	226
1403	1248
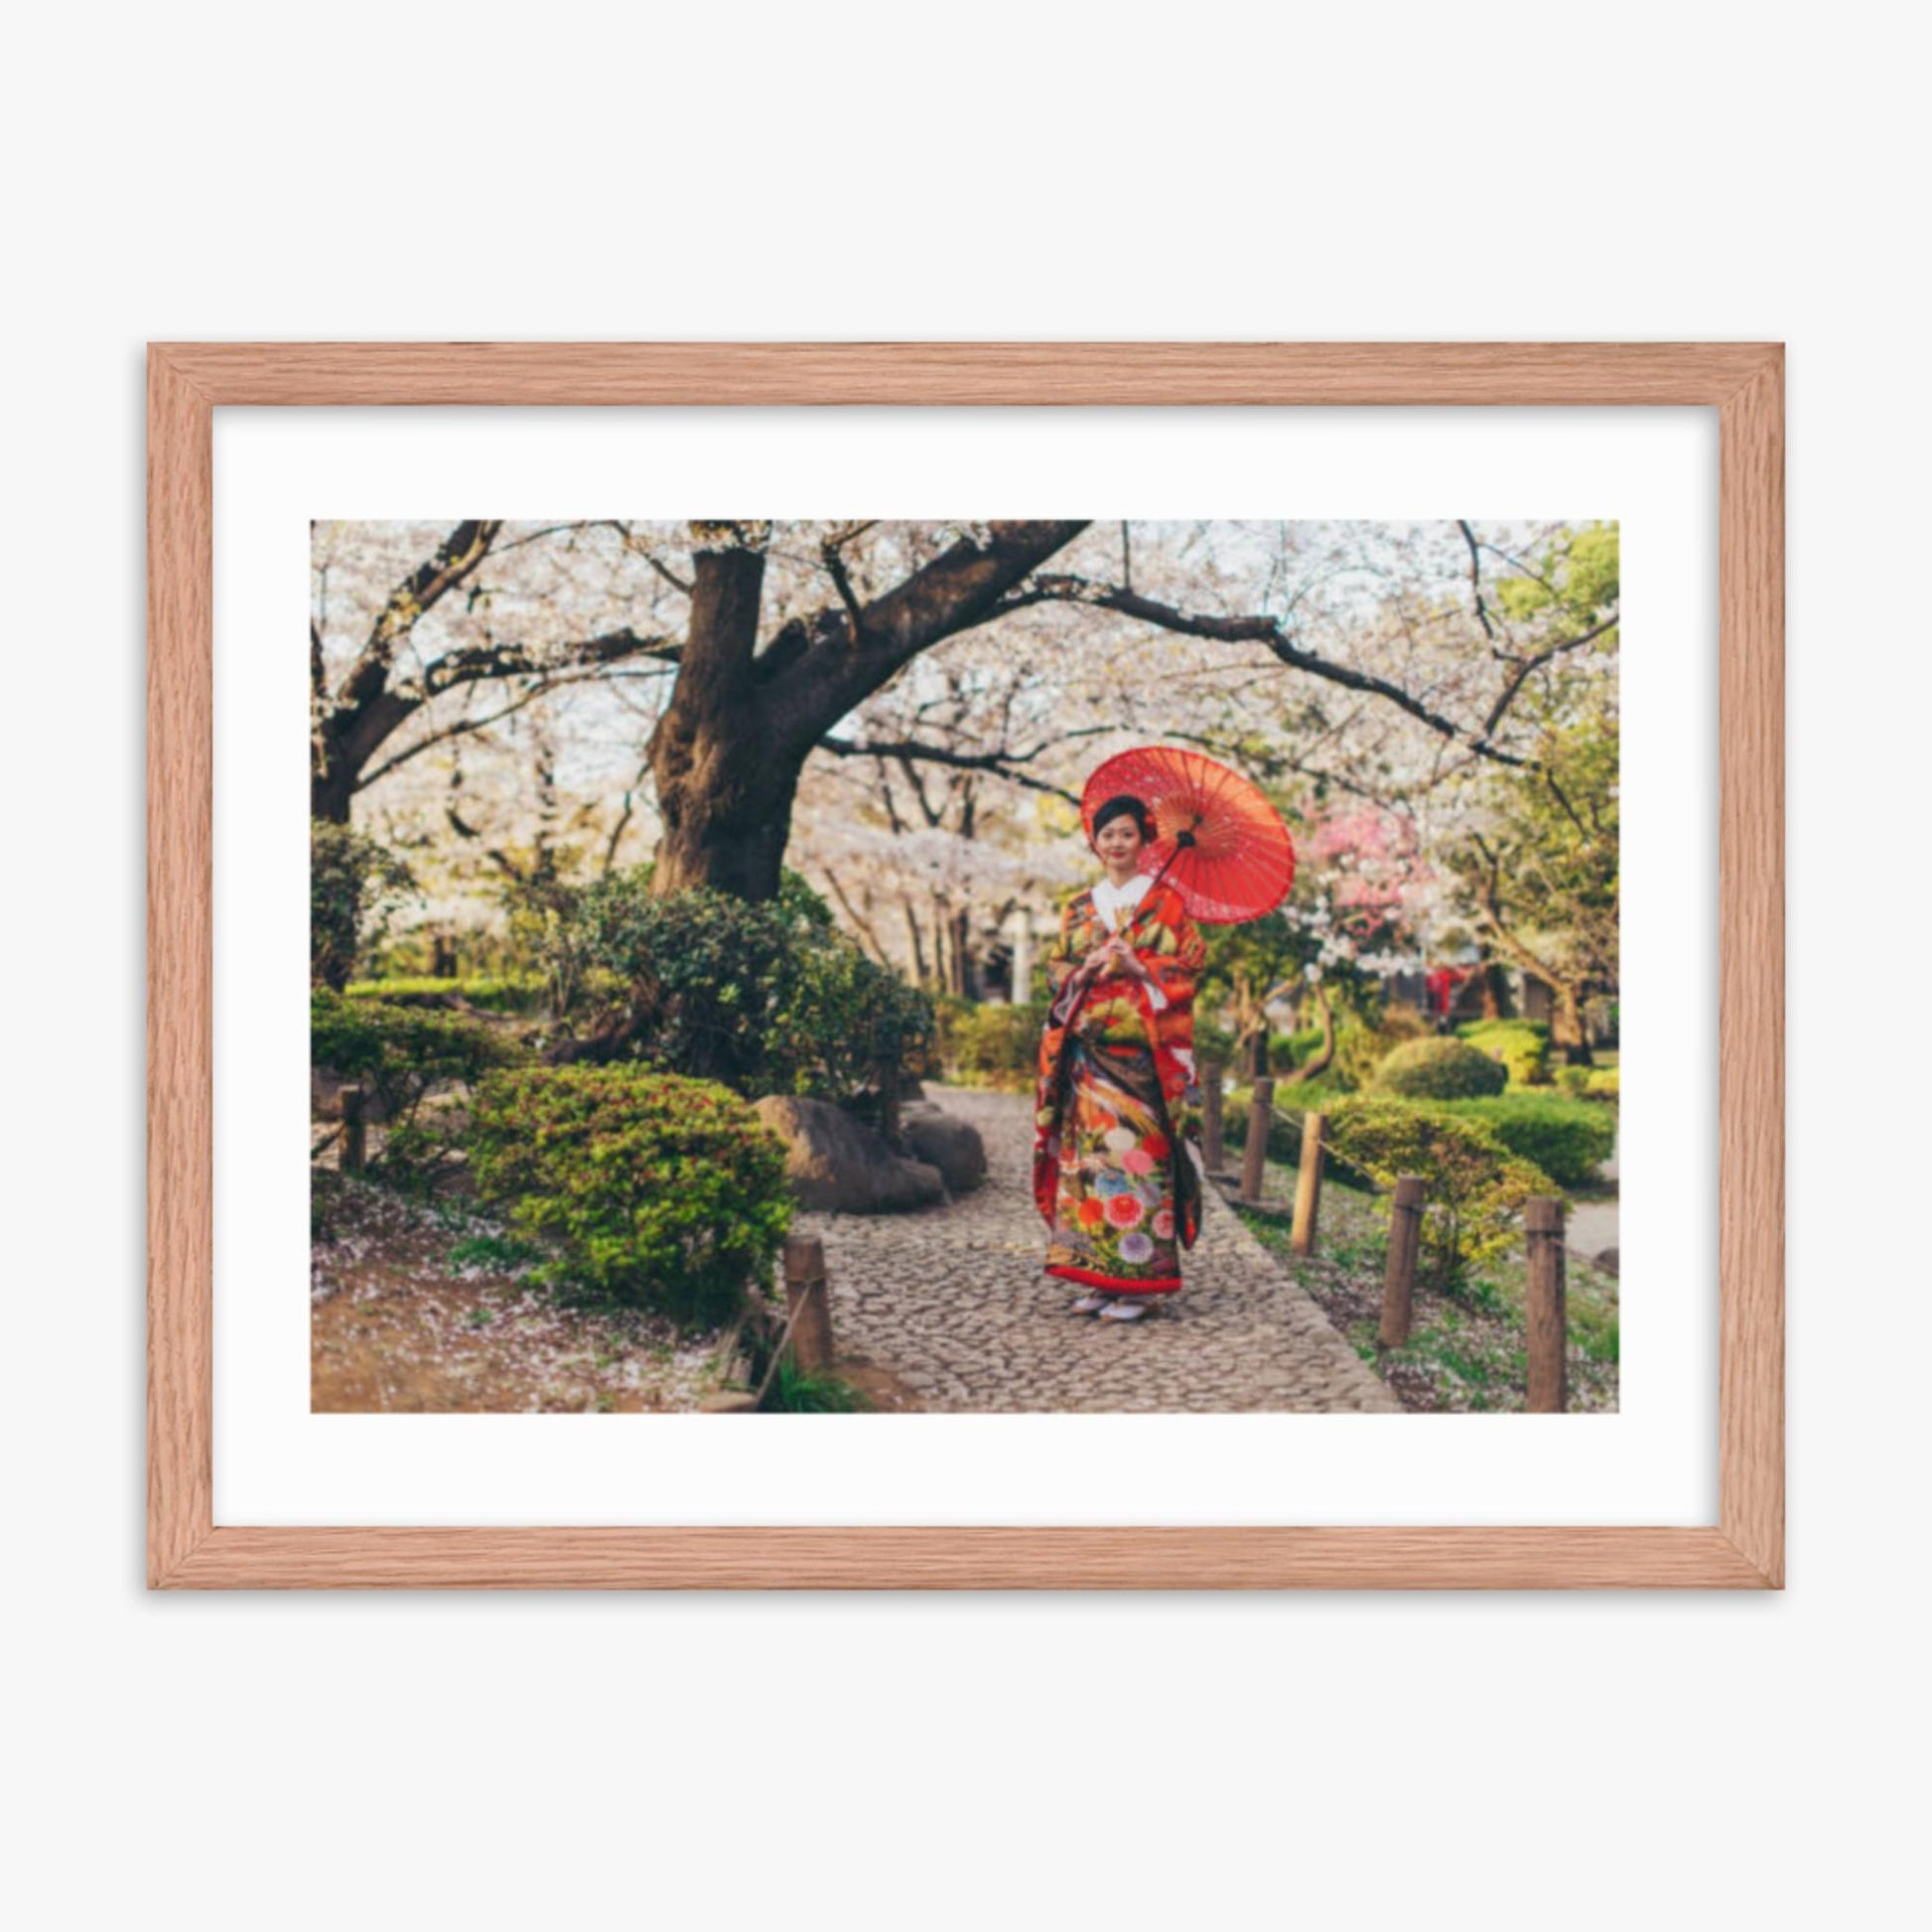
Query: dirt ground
427	1309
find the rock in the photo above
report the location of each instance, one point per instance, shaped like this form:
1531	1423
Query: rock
837	1163
1607	1261
946	1142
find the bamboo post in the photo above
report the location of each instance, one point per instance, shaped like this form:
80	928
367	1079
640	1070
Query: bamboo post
1547	1339
355	1133
1405	1245
1254	1155
808	1303
1212	1154
1308	1184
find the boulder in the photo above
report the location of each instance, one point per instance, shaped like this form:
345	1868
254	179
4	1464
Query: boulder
839	1165
946	1142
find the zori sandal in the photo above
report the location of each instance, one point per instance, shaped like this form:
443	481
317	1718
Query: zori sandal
1088	1305
1124	1311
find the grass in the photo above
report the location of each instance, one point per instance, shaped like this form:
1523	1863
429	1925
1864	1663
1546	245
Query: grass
1466	1349
794	1392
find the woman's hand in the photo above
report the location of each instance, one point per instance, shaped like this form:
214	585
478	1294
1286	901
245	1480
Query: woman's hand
1117	956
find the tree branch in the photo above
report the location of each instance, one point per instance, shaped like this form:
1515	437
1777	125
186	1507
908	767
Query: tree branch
1258	630
457	556
904	749
1528	666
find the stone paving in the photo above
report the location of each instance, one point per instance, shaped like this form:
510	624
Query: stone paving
954	1302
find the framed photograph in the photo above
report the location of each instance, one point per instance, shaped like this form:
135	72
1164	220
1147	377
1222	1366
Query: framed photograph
1112	987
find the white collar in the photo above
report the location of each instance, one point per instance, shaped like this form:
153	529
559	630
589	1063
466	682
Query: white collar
1116	898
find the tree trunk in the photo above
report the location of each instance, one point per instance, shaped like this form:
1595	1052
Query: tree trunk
1496	1003
1254	1052
725	792
728	752
328	795
1567	1029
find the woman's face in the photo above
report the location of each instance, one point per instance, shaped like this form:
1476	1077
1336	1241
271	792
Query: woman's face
1118	842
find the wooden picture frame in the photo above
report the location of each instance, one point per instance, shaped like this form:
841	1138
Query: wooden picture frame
1742	381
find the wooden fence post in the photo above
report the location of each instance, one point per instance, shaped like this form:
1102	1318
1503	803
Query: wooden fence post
1308	1184
1546	1336
807	1303
1212	1154
1405	1245
1254	1155
356	1140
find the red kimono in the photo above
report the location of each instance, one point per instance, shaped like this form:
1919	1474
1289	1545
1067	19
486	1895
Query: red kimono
1117	1102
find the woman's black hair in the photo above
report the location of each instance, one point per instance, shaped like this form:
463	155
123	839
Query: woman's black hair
1125	805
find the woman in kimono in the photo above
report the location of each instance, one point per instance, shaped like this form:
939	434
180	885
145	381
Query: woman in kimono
1113	1175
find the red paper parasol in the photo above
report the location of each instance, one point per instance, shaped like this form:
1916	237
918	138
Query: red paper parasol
1218	837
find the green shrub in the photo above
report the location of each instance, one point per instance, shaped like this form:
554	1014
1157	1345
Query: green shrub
1439	1069
490	993
1475	1188
1360	1047
1523	1047
356	886
1569	1139
1285	1124
849	1021
398	1054
994	1046
767	996
1212	1042
1602	1083
660	1191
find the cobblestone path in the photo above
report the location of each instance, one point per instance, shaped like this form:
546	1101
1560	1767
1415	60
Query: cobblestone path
954	1301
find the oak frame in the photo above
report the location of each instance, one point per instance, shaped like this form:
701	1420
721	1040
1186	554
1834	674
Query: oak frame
1742	381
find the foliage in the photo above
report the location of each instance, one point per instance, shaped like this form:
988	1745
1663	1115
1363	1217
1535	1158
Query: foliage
849	1021
1439	1069
660	1191
356	886
994	1046
1569	1139
1362	1046
1540	863
400	1054
1523	1047
1602	1083
767	996
1475	1188
796	1392
519	993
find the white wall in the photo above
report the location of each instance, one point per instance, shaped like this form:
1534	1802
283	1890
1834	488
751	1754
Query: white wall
1642	172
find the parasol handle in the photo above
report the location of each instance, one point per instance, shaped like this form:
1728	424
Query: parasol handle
1182	841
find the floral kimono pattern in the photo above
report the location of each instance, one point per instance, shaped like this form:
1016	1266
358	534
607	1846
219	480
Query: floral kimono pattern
1117	1102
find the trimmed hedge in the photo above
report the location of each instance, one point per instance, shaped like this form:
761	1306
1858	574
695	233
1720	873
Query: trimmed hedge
491	993
660	1191
1285	1124
1568	1138
400	1052
1361	1049
1475	1186
1523	1047
1439	1069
